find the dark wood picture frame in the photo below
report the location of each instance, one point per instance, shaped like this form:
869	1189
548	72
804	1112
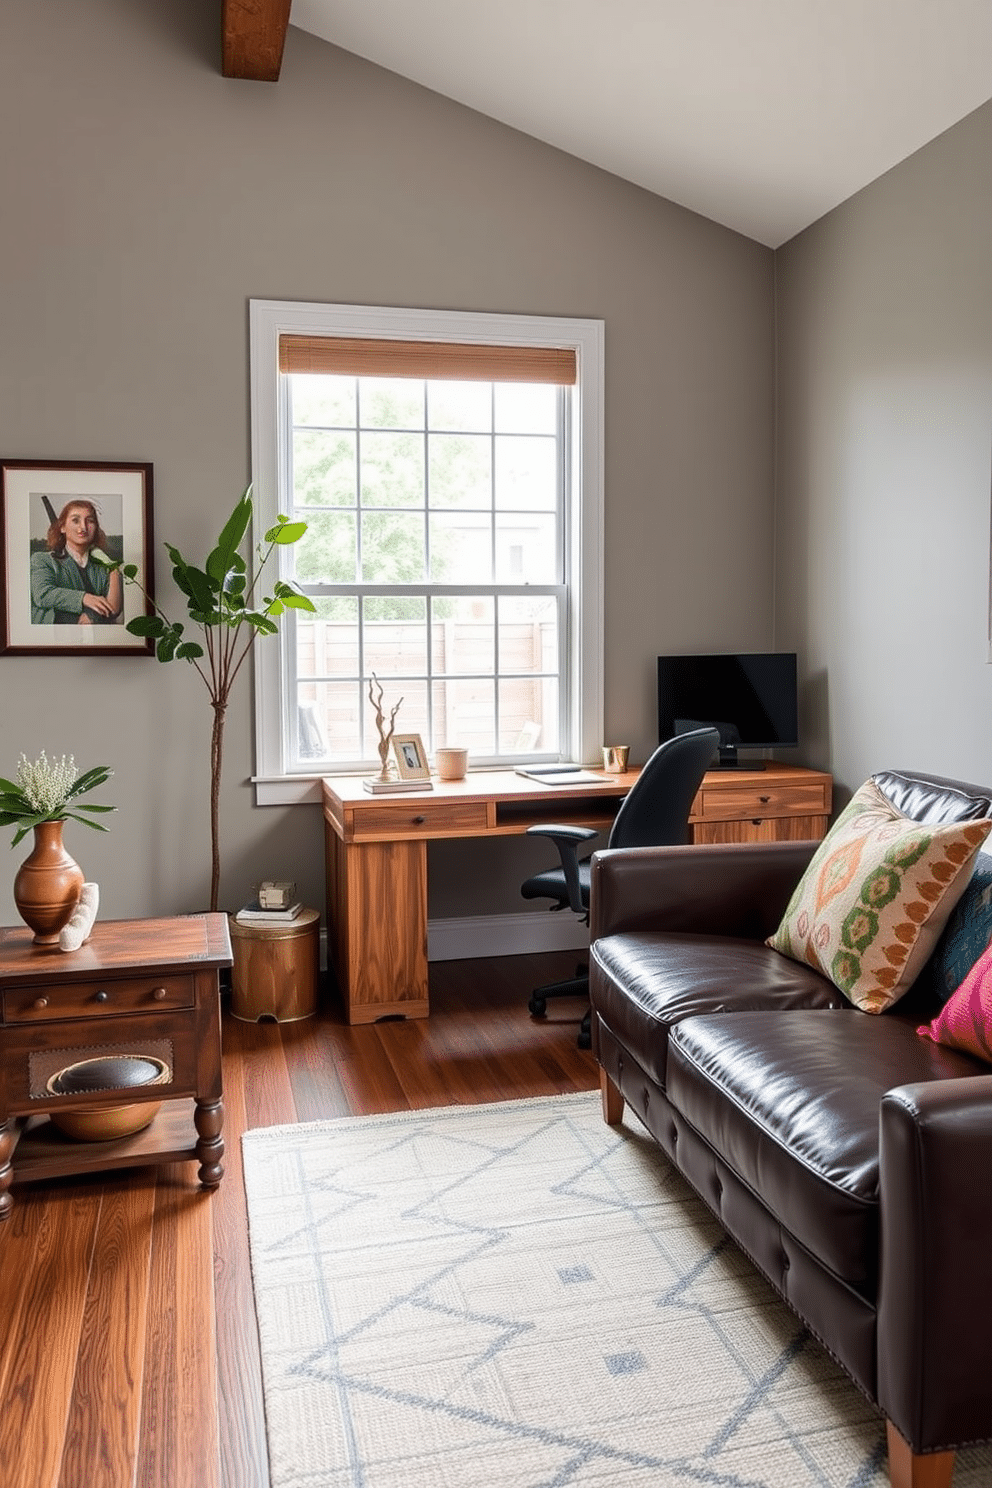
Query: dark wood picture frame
34	496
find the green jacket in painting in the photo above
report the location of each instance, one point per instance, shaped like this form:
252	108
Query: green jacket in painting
58	586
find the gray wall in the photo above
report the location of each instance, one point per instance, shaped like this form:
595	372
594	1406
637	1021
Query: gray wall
885	431
146	199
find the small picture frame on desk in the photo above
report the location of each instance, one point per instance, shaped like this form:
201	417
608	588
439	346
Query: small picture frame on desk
411	757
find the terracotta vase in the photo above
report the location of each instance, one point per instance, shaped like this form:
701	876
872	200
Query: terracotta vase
48	884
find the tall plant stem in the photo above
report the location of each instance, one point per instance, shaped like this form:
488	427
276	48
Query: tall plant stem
219	705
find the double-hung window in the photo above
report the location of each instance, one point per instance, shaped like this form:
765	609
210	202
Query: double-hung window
449	469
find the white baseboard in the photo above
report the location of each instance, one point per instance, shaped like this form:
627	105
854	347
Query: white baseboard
505	935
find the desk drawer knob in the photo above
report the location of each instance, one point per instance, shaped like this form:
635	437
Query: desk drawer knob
418	821
103	997
40	1002
159	994
764	800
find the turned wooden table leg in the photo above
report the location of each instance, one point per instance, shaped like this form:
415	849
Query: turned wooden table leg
6	1166
208	1118
908	1469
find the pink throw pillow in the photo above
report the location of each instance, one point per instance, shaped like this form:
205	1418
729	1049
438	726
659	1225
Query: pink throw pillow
965	1021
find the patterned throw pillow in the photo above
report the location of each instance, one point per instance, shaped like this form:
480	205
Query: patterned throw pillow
878	892
968	932
965	1022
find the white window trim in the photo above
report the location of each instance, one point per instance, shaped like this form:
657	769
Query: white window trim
271	318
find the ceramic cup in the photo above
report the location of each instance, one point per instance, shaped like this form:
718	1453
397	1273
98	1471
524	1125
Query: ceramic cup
615	757
451	764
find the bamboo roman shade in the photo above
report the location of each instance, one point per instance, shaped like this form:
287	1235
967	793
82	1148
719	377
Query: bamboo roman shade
436	360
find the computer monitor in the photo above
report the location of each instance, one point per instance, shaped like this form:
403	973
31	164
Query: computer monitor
750	697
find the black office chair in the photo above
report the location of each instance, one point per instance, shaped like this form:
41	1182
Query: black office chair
654	813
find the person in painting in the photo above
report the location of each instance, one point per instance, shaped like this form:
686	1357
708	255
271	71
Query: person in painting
68	585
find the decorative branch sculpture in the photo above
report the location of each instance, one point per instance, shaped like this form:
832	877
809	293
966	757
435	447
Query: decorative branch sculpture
385	735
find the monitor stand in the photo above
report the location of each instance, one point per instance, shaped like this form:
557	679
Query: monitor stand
729	760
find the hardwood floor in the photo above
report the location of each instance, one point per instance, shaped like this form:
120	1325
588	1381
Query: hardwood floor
128	1350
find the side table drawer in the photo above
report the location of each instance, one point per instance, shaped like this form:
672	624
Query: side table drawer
97	999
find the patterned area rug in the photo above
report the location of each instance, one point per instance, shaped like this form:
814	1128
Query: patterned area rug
519	1295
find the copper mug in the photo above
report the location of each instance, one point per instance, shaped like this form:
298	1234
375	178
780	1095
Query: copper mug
615	757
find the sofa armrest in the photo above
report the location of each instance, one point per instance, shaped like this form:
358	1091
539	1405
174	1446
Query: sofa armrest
935	1282
733	888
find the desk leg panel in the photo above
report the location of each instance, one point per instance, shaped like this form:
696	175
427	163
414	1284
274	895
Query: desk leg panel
377	926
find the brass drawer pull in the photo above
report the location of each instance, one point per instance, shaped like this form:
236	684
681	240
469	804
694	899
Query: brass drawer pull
160	994
40	1002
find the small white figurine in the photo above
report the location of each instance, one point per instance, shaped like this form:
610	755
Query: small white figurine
77	931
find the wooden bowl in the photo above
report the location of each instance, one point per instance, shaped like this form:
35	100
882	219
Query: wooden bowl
113	1072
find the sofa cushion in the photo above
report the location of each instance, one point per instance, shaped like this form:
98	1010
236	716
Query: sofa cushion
644	981
790	1103
965	1021
875	897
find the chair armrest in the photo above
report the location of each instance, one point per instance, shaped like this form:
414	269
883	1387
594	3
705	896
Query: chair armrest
567	838
935	1286
739	889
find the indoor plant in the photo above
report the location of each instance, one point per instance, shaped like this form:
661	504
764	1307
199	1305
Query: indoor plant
220	601
44	796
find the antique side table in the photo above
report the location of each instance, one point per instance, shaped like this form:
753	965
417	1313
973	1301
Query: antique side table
137	987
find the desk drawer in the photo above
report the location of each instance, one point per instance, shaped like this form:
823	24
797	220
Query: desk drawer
96	999
750	802
398	819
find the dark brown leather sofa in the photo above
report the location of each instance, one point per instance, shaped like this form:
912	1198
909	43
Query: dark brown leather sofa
846	1155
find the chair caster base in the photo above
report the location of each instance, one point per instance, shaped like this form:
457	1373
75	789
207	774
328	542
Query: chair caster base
537	1007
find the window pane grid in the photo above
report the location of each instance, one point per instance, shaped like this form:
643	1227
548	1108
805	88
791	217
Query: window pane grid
404	532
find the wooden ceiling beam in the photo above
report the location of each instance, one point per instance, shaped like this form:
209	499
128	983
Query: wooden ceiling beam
253	36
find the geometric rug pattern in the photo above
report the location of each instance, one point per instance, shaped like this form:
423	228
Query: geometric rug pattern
518	1295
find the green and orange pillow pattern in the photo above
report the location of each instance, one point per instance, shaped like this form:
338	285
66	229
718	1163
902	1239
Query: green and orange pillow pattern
878	892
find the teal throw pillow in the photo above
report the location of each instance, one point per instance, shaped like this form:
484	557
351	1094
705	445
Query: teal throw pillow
968	933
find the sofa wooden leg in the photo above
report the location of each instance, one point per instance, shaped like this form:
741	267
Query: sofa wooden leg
907	1469
612	1100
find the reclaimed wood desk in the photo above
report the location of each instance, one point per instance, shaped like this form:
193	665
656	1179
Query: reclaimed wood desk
376	854
136	987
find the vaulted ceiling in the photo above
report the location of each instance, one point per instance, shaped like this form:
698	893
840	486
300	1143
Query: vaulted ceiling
760	114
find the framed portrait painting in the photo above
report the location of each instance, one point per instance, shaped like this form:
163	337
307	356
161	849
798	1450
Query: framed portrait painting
58	519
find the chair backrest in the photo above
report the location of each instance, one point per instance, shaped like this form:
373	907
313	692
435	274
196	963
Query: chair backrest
655	811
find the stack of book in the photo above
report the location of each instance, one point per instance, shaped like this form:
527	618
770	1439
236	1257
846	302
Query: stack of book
254	914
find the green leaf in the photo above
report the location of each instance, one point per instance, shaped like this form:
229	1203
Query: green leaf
200	588
99	775
147	625
275	607
92	806
262	624
294	601
130	570
188	651
166	648
97	826
290	533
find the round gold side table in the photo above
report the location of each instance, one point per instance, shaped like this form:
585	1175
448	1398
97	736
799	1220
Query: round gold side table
276	969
